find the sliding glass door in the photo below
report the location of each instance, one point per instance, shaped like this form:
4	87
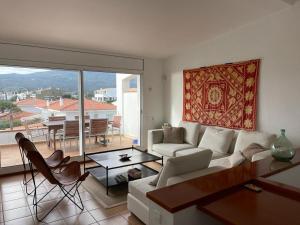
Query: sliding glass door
46	106
112	103
38	103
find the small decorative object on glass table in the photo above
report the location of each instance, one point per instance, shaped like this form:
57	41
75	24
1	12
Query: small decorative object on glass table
282	149
111	171
124	157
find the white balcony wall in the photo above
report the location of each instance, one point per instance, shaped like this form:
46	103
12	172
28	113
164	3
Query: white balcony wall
130	114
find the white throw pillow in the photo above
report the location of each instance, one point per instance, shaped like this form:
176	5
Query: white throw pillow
236	159
191	132
218	140
184	164
245	138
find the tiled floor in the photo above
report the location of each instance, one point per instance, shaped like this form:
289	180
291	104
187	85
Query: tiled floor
16	208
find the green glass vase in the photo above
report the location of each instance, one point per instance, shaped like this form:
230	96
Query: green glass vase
282	149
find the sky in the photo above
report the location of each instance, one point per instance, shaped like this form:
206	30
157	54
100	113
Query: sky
19	70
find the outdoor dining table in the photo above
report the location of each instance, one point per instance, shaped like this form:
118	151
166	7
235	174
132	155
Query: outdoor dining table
55	126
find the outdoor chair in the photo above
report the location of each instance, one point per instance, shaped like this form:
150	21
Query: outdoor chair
54	161
70	131
68	179
98	128
115	124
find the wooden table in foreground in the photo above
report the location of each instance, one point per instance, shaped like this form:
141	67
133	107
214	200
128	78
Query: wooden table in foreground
223	196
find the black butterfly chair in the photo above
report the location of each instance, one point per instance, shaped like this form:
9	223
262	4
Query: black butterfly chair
54	161
68	179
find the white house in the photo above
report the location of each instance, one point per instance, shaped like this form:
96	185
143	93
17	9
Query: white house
105	94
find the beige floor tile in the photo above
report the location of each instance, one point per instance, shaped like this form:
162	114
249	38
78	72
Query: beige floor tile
117	220
52	217
84	218
22	221
60	222
91	204
16	213
69	210
131	218
11	189
12	196
101	214
43	206
14	204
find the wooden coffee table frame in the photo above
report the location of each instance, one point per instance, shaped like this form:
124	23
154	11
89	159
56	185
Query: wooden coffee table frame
102	170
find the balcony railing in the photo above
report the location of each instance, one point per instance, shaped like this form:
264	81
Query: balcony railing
10	154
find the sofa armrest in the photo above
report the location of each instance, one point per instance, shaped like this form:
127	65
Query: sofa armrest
261	155
155	137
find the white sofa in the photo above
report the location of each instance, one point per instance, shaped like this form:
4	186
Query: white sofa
185	162
193	138
175	170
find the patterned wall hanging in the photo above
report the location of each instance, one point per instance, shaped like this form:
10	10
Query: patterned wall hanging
222	95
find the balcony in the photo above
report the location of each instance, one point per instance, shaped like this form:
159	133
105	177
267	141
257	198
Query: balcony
10	154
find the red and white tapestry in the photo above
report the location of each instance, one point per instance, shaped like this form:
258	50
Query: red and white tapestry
222	95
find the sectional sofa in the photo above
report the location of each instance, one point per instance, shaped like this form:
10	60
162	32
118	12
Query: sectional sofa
205	150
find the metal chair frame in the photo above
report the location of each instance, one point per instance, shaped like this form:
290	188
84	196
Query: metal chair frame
48	174
19	136
68	194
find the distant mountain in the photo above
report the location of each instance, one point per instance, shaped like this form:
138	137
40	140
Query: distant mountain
66	80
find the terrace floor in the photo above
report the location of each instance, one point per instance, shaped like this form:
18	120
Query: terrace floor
10	154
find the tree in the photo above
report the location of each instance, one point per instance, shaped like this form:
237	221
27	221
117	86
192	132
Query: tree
13	99
10	107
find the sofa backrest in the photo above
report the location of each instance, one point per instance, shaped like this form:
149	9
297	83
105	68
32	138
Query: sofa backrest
184	164
246	138
232	144
191	132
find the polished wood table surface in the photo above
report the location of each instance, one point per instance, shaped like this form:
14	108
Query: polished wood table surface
204	191
244	207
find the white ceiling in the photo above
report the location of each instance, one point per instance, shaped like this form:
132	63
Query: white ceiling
153	28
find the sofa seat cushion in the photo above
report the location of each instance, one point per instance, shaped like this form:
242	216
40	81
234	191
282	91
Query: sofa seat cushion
139	188
216	155
169	149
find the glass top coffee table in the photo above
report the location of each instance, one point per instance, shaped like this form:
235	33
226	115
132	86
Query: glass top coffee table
109	165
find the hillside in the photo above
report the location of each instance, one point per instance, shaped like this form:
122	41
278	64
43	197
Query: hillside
66	80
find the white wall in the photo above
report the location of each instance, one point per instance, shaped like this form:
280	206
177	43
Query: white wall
131	114
152	99
276	40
